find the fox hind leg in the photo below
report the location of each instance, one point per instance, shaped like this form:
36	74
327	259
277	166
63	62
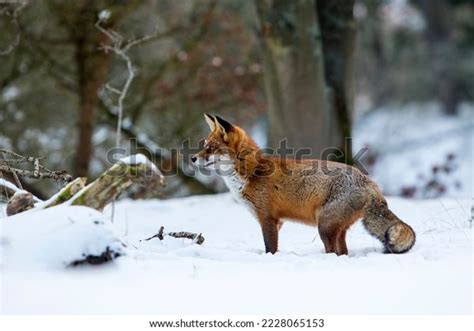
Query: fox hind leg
333	222
341	246
334	238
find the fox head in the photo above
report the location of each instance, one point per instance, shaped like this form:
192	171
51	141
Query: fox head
226	145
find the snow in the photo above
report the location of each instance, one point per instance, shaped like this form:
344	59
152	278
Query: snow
135	159
14	188
10	93
9	185
138	159
229	273
402	14
410	141
104	15
51	239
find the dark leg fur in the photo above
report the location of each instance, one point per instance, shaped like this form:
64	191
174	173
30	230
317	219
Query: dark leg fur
341	247
270	235
333	221
328	235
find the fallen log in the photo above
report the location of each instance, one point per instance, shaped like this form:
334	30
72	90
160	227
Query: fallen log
22	201
136	169
66	192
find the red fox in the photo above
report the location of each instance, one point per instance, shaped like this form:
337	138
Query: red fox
329	195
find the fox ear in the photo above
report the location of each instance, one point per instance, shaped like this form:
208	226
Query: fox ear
211	121
225	126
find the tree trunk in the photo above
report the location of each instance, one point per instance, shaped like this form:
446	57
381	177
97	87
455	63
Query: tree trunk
338	29
92	65
294	75
443	53
379	93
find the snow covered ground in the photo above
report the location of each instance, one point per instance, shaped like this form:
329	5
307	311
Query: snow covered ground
229	273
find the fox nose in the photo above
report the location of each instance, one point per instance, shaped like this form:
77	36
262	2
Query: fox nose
194	159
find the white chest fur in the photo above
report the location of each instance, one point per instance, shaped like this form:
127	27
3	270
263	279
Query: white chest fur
233	180
236	185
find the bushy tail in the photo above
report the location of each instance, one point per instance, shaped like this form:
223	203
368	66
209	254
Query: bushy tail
397	236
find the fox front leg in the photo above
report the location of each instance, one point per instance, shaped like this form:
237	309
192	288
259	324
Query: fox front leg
270	234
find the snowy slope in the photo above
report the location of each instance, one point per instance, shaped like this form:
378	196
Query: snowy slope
230	274
415	145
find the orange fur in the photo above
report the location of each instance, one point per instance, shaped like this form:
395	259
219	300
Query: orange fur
319	193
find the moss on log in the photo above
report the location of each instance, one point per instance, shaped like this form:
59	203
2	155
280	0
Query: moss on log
67	192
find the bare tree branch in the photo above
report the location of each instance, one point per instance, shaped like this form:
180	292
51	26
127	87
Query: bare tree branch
115	112
57	175
39	171
197	33
195	237
120	49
